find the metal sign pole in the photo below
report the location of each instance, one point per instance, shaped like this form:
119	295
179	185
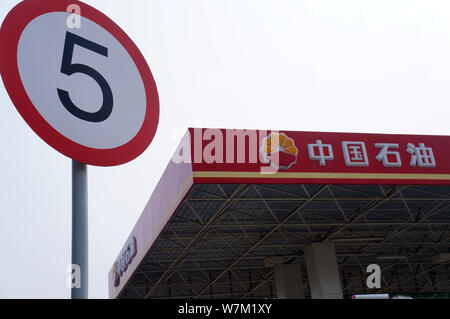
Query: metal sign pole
80	228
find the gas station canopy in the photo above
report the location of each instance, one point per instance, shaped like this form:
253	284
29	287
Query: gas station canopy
233	205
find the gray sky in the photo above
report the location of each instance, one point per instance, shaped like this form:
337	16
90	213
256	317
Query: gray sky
356	66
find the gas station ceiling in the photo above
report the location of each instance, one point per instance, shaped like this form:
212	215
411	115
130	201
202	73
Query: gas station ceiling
217	242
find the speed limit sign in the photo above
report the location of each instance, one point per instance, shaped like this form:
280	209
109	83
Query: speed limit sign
83	87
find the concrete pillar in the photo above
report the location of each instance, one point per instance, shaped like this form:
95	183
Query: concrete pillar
289	283
323	272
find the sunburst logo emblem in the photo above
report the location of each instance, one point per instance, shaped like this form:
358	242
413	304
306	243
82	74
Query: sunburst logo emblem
279	151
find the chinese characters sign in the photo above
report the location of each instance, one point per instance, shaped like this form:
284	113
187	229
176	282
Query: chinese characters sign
355	154
121	265
318	157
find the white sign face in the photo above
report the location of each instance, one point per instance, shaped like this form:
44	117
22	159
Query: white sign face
41	76
91	94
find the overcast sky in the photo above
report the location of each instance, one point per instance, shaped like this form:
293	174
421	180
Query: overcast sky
355	66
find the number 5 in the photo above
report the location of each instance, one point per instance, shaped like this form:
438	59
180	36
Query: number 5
70	68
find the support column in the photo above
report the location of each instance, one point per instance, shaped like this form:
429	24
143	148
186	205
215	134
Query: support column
289	283
323	272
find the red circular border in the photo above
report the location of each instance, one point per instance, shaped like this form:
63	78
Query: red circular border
10	32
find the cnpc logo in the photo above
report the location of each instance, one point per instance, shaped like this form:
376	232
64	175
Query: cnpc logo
121	265
279	151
